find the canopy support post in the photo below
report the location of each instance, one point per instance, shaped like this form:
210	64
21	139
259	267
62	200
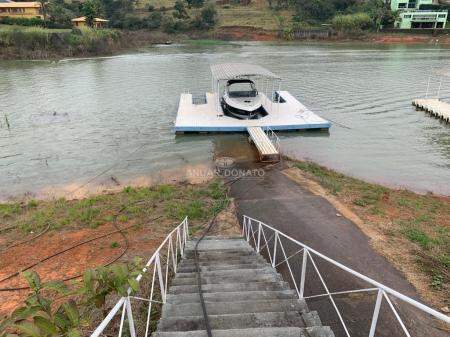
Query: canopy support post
272	95
217	96
279	96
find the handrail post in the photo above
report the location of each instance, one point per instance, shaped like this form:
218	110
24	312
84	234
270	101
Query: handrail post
376	312
275	250
130	318
187	229
160	278
259	237
244	222
249	229
302	276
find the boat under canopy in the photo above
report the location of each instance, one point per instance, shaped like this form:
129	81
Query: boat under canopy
277	109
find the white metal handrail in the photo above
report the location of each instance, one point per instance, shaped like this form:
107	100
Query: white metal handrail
175	243
254	232
274	138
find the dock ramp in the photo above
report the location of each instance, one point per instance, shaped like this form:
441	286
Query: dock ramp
268	151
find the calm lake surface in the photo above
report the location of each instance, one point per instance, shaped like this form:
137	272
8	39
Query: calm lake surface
73	120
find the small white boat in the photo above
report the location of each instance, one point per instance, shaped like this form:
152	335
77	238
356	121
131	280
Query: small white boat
242	100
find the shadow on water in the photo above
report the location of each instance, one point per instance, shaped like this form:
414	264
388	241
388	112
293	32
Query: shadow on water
234	145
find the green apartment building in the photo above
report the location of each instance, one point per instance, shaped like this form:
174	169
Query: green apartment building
418	14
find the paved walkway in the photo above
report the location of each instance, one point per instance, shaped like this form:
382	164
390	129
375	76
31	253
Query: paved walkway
291	208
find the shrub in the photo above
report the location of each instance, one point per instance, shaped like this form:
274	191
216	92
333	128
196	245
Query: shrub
22	21
132	22
180	10
352	22
207	18
173	26
153	21
151	8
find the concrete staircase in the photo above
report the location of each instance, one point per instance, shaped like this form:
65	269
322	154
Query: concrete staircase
244	295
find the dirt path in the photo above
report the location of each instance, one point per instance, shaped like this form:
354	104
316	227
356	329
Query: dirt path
292	208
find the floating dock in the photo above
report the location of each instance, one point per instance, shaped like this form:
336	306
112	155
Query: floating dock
207	116
268	152
435	107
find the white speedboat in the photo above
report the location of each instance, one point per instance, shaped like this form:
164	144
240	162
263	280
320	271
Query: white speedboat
242	100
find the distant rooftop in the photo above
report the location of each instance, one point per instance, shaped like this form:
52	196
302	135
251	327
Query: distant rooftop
229	71
83	18
12	4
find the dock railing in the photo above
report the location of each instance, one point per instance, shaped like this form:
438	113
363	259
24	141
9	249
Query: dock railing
273	138
274	245
161	266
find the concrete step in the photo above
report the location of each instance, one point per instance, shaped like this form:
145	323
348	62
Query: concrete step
219	244
231	296
311	319
215	237
228	273
221	255
245	278
230	287
192	268
233	321
252	332
229	261
320	331
241	307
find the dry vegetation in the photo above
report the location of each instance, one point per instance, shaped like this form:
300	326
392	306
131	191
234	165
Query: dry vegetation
147	213
411	230
256	15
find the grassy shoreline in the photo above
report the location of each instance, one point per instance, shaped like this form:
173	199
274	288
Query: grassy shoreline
411	230
18	42
36	43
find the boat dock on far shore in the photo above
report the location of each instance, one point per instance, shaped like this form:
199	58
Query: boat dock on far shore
434	106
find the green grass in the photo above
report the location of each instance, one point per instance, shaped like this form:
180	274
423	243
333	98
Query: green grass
257	15
31	42
198	202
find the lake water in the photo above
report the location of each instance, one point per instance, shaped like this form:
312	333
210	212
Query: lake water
77	123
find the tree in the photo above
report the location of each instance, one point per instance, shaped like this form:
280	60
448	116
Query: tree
314	10
195	3
59	14
380	12
209	16
91	9
44	8
180	10
117	10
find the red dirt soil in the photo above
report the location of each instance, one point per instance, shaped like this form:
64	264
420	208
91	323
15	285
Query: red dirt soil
142	242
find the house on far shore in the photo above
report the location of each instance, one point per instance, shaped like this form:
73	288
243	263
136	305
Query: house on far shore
418	14
27	10
81	22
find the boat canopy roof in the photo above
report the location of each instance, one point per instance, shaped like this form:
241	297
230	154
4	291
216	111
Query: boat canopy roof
229	71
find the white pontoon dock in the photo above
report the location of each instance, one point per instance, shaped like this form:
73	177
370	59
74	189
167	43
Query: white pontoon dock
284	112
433	104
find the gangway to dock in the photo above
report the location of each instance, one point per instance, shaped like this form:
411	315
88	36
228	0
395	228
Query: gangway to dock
268	151
434	106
